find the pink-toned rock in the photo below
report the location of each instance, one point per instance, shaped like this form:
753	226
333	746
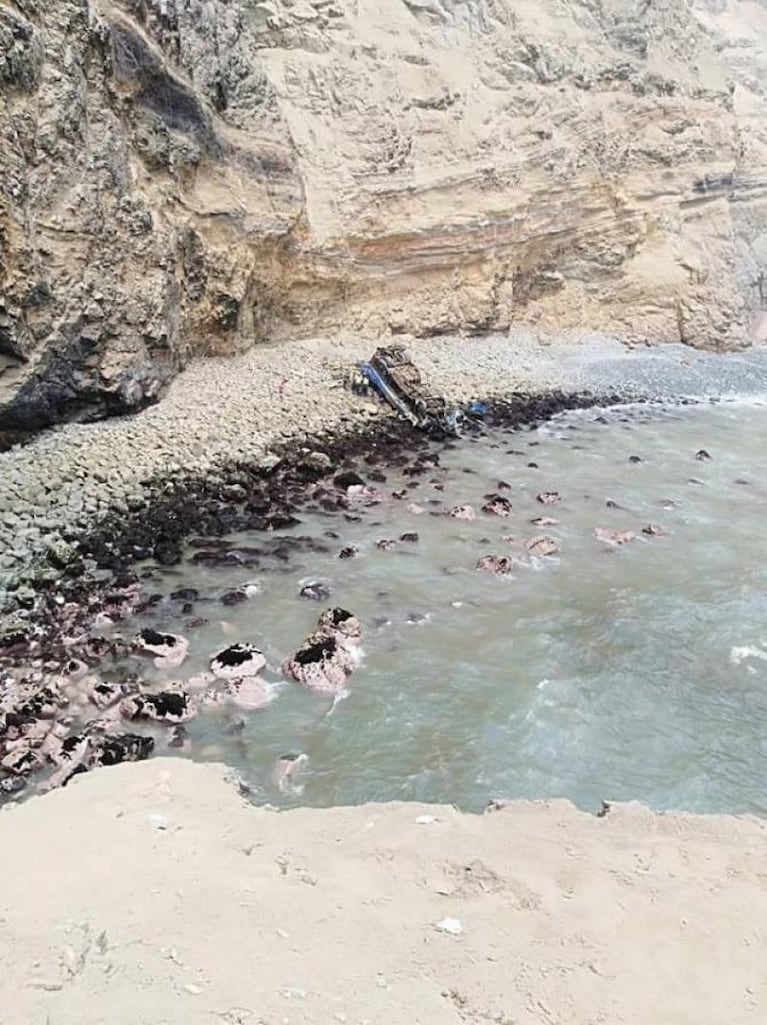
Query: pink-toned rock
249	693
614	537
498	565
542	545
237	661
169	650
462	512
548	497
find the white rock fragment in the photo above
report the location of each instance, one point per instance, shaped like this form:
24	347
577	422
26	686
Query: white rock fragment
450	925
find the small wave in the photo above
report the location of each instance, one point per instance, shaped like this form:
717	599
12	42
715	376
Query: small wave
740	654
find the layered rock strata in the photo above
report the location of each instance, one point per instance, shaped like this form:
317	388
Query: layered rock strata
199	177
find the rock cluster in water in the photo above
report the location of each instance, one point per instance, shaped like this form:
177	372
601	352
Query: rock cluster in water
59	708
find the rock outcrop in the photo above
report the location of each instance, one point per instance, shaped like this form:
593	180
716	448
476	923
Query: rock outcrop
181	178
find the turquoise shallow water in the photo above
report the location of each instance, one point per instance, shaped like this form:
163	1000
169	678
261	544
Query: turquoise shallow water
637	672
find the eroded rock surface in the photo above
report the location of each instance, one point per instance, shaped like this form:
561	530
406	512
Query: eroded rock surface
182	178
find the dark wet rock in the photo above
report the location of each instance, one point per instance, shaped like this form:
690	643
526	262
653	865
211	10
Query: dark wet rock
179	737
702	455
238	660
612	505
185	594
653	530
315	591
410	537
167	706
503	485
402	493
332	534
497	505
195	624
15	636
350	552
315	464
635	459
417	618
696	480
377	476
348	479
352	517
741	480
533	466
123	747
236	597
234	724
12	785
548	497
167	553
544	521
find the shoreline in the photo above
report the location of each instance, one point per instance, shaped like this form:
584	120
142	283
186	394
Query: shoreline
166	897
56	488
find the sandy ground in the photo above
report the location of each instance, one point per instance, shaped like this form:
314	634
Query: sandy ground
153	893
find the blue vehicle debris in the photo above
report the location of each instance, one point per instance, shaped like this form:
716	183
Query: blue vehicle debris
392	375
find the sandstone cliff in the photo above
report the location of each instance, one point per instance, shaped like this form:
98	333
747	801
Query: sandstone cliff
195	176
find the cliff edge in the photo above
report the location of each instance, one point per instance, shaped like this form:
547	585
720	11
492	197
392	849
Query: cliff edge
181	179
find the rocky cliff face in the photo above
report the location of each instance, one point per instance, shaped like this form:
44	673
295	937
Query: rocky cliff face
197	176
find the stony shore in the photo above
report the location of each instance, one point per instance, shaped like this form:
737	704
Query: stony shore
217	413
220	412
154	893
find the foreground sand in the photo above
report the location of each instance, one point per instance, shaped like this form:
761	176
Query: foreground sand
153	893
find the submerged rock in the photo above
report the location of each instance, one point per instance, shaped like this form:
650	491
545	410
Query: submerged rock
548	497
653	530
498	565
315	591
614	537
497	505
287	766
249	693
542	545
463	512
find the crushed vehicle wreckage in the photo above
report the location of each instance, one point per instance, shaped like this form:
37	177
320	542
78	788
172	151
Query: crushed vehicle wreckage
392	375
